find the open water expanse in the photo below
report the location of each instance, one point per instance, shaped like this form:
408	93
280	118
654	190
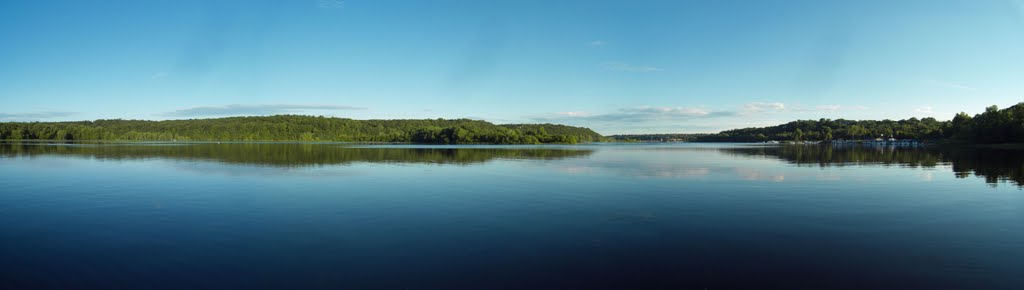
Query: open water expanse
680	216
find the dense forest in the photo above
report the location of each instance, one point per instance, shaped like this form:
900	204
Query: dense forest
841	129
300	128
992	126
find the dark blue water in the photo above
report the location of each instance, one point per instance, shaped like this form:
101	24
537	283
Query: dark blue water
487	217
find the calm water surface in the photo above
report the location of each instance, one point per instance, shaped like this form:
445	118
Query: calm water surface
682	216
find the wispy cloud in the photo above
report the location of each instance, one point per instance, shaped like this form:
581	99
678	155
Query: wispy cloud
654	119
158	75
254	110
830	108
620	66
636	114
651	113
826	108
950	85
330	4
666	111
573	114
596	43
34	115
758	107
925	110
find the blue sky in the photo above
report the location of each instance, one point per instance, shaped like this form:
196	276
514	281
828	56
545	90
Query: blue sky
615	66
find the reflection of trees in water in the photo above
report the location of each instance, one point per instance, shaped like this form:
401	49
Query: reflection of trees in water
287	154
840	156
995	165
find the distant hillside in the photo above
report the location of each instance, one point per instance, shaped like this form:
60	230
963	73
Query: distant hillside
300	128
582	134
827	129
991	127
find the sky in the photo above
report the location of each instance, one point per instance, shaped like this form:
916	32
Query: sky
614	66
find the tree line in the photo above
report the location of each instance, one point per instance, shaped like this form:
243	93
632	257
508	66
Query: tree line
992	126
840	129
300	128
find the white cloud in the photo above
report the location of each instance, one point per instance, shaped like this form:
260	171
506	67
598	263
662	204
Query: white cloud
573	114
925	110
597	43
640	114
826	108
666	111
29	116
662	119
758	107
619	66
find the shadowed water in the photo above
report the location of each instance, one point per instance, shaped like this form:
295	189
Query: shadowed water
683	216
